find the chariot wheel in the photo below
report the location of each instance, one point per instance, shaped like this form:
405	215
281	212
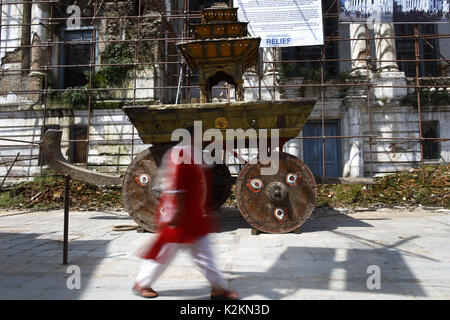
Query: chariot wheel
140	200
277	203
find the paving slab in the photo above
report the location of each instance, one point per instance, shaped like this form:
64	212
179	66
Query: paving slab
334	257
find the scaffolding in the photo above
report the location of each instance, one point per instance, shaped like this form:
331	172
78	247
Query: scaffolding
179	82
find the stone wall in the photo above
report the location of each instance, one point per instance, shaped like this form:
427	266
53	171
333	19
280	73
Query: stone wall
388	119
110	132
110	149
148	76
16	84
401	122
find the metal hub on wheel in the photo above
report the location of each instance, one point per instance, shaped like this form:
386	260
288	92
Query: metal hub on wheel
277	192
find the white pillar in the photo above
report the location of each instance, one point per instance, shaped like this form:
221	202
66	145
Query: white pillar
39	15
389	77
358	48
385	47
354	163
271	54
270	74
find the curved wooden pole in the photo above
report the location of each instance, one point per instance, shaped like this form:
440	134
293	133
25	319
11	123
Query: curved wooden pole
51	148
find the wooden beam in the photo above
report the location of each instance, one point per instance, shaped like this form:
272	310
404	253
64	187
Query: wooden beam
320	180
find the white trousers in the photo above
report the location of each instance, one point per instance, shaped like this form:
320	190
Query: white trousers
201	252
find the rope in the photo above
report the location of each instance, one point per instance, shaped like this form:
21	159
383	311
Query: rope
18	213
125	227
122	227
124	215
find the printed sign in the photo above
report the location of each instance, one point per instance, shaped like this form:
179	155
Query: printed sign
283	23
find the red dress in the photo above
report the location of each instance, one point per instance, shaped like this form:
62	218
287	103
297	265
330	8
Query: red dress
195	220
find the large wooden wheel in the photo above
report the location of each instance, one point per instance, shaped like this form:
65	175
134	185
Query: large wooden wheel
276	203
140	199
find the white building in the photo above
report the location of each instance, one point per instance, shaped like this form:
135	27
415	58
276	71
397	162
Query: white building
430	6
346	112
369	6
386	6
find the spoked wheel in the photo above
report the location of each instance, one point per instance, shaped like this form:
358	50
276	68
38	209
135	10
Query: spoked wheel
139	200
276	203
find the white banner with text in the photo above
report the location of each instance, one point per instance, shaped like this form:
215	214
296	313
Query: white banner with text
283	23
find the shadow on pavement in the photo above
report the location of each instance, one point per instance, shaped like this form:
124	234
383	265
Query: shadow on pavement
31	262
316	268
313	268
230	219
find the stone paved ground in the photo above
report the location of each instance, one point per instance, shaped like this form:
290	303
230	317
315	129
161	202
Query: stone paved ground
328	260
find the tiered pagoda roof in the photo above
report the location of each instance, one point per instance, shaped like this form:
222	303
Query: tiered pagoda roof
220	37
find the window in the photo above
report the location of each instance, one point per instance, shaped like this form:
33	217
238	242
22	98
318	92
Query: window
430	129
42	161
406	50
76	51
330	21
313	148
199	5
78	149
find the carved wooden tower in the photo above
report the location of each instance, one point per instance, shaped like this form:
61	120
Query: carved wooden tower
222	50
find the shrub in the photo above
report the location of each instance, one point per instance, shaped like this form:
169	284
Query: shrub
75	96
116	53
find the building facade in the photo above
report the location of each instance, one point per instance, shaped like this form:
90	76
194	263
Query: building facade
430	6
75	67
386	6
369	6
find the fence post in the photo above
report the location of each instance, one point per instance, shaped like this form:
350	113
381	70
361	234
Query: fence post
66	217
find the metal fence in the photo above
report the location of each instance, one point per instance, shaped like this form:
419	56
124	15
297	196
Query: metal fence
179	81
